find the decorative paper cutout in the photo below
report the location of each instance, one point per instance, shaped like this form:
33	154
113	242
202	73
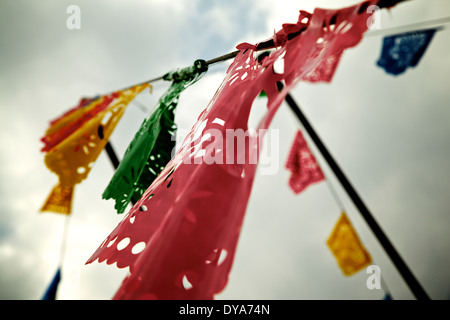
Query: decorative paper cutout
404	50
346	247
152	146
187	223
179	239
328	33
65	116
72	158
59	200
302	164
74	119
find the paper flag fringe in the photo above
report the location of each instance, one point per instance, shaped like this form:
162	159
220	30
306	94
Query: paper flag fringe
302	164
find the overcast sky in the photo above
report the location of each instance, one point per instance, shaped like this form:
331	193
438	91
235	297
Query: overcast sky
390	135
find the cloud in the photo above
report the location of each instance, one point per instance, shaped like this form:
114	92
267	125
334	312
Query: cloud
390	136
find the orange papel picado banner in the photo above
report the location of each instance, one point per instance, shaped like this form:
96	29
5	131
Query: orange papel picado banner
81	141
347	248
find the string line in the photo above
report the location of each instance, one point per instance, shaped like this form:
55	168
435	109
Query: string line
63	248
270	45
341	207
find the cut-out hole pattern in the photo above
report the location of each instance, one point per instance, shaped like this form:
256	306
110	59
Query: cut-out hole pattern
222	257
123	244
186	284
138	247
111	242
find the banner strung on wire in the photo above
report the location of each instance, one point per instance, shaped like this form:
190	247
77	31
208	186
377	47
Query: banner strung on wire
50	293
74	141
152	146
303	165
403	51
347	248
179	239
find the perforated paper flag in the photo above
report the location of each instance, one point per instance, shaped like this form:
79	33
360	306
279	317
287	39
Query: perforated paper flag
302	164
180	238
62	127
72	158
347	248
152	146
403	51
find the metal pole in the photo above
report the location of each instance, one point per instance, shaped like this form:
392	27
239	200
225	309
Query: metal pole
112	155
407	275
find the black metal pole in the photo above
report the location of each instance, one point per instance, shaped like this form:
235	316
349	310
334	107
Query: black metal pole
407	275
113	157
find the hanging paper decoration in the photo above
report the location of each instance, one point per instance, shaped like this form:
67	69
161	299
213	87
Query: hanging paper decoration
180	238
302	164
64	126
64	118
59	200
71	159
321	45
153	144
346	247
50	293
403	51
